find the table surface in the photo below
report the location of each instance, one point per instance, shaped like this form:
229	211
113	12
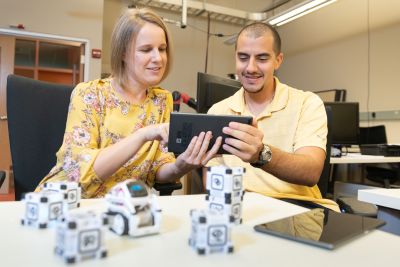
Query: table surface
389	198
26	246
353	158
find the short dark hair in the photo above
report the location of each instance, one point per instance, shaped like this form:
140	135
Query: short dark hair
257	29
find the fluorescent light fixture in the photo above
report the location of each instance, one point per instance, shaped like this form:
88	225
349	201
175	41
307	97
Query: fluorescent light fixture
299	11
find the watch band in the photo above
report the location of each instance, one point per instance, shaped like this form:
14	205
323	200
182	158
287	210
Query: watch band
264	157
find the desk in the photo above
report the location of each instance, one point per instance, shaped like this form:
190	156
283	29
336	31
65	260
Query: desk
357	158
388	202
25	246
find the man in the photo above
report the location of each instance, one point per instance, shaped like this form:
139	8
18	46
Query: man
284	150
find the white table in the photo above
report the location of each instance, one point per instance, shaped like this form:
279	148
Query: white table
388	202
24	246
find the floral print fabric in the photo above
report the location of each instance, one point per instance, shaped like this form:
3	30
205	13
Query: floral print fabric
97	118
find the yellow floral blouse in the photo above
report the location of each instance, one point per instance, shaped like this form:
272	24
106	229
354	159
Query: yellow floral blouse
97	118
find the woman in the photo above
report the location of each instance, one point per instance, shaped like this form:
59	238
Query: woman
117	127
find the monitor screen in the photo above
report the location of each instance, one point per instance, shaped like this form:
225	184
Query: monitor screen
212	89
345	123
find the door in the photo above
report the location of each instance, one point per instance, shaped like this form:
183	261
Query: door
7	45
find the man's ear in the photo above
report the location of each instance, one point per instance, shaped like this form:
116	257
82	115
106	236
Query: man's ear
278	60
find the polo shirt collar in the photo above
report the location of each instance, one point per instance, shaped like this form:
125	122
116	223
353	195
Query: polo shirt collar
278	103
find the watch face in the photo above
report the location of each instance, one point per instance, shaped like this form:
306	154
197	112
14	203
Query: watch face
266	154
264	158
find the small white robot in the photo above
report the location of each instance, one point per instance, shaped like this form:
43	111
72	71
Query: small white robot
224	189
211	232
80	236
225	182
132	209
42	209
72	189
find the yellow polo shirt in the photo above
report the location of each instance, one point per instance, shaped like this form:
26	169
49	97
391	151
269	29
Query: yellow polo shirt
292	120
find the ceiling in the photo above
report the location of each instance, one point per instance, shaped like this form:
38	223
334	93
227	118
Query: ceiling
340	20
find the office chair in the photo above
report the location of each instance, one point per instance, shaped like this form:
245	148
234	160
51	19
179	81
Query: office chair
324	183
37	114
2	177
382	174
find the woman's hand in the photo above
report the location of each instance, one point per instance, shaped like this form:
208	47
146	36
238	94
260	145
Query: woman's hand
196	154
155	132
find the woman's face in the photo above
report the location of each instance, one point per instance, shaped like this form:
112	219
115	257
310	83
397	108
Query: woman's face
147	60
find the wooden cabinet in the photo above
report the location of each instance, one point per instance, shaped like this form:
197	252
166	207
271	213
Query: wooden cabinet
58	62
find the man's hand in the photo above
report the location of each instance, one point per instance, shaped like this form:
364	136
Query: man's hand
248	142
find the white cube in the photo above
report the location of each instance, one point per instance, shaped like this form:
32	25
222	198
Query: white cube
211	232
225	182
80	236
72	189
43	208
234	208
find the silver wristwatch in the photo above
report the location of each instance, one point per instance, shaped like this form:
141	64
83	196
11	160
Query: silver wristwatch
264	157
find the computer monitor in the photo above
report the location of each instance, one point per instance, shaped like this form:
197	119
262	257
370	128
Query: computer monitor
212	89
345	123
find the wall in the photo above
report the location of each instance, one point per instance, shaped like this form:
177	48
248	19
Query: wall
189	49
344	64
72	18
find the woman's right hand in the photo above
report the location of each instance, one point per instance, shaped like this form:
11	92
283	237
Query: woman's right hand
155	132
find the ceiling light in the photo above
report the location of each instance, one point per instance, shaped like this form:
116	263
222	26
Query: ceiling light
298	11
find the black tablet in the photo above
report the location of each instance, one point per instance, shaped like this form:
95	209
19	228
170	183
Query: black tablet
319	227
183	126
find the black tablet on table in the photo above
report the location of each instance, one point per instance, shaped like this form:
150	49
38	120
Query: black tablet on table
184	126
320	227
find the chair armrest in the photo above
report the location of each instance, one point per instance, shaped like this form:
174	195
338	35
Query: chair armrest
353	206
166	189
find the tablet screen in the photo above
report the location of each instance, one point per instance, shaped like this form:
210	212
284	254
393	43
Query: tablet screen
184	126
323	228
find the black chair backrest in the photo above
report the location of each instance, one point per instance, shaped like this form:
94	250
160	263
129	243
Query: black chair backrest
37	114
373	135
323	183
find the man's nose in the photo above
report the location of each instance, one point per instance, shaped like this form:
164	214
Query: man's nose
252	65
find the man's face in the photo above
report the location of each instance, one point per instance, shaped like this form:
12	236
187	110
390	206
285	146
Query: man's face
256	62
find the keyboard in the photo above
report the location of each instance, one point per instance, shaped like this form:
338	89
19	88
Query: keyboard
386	150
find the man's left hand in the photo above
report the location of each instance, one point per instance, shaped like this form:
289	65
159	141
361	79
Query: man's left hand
247	140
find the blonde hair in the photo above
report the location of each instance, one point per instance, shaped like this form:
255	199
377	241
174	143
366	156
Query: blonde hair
124	36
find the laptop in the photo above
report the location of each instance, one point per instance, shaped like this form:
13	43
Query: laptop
184	126
321	227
